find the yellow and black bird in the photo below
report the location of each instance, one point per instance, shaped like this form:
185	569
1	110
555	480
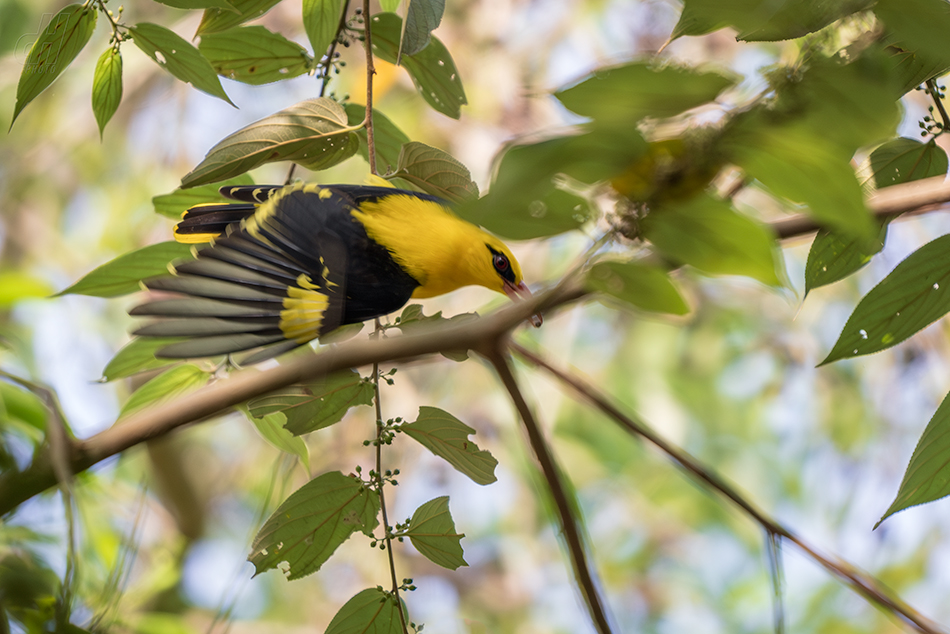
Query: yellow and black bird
286	265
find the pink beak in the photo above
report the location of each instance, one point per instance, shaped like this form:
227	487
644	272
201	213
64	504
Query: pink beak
521	292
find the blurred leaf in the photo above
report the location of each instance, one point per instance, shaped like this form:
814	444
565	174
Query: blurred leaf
622	95
708	234
447	437
413	317
22	405
316	405
175	204
16	286
919	27
913	296
217	20
432	532
122	275
928	474
107	87
254	55
422	17
166	387
432	70
671	169
387	137
311	523
762	20
271	428
138	356
54	50
198	4
371	611
913	69
833	257
178	57
162	623
320	20
646	287
312	133
905	160
435	172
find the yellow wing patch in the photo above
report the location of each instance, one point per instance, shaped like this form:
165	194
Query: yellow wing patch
303	311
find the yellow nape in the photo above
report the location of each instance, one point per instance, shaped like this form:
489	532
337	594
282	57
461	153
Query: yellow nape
437	248
303	311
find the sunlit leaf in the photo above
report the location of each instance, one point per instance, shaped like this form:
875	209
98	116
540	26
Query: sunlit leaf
166	387
913	296
447	437
321	18
175	204
371	611
387	137
122	275
254	55
271	429
422	17
316	405
432	70
217	20
178	57
17	285
308	527
199	4
641	285
54	50
435	172
432	532
312	133
137	356
928	474
107	87
708	234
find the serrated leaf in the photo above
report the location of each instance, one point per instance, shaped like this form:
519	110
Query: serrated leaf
928	474
387	137
371	611
316	405
646	287
435	172
422	17
198	4
905	160
432	70
254	55
624	94
107	87
137	356
17	285
313	133
166	387
54	50
175	204
913	296
122	275
217	20
321	18
178	57
708	234
308	527
432	532
447	437
271	429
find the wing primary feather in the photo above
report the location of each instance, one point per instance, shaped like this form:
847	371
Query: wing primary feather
219	270
203	307
207	287
217	345
206	327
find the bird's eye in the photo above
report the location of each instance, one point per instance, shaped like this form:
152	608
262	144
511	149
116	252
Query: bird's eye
500	262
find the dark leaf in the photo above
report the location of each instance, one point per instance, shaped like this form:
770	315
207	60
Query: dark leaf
919	27
254	55
122	275
107	87
371	611
641	285
422	17
413	317
217	20
199	4
432	532
447	437
763	20
435	172
387	137
905	160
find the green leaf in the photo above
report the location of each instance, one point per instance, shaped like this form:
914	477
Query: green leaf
54	50
389	6
387	137
432	532
321	18
311	523
17	403
199	4
316	405
166	387
913	70
422	17
919	27
371	611
122	275
412	317
217	20
271	429
178	57
621	95
175	204
905	160
646	287
107	87
928	474
763	20
16	286
708	234
435	172
254	55
833	257
913	296
432	70
138	356
447	437
312	133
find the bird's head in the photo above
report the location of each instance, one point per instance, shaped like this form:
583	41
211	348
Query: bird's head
502	273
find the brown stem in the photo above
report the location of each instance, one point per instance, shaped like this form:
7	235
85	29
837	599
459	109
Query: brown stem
330	51
370	71
935	95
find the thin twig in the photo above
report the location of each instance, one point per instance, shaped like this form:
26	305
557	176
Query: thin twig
863	583
332	50
935	95
370	71
552	475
